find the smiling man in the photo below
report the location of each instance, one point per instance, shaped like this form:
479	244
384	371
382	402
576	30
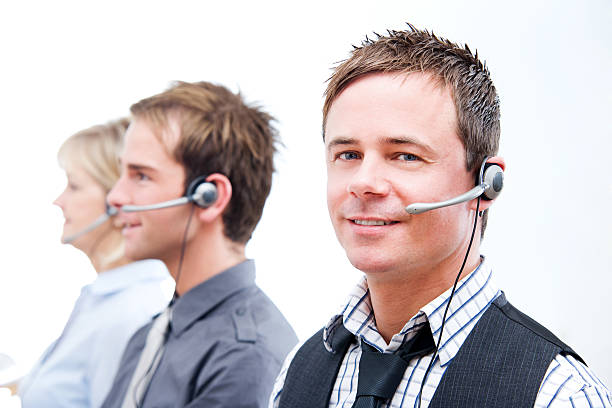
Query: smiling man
196	171
411	118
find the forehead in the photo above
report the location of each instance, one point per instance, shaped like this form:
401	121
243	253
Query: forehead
387	105
75	171
145	141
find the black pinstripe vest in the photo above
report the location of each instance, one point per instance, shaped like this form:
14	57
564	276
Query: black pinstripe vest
501	364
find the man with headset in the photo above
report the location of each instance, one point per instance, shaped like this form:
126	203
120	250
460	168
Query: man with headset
410	124
196	171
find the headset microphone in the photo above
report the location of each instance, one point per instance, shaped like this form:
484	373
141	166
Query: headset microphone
200	192
490	184
110	212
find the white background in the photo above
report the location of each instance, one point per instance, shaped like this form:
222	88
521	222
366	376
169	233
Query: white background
65	66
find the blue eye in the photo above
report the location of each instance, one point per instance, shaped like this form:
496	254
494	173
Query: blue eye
141	176
348	156
408	157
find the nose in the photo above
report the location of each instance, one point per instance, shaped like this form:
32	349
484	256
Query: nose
368	180
117	196
59	201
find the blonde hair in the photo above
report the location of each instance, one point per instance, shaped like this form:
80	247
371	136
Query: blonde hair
96	150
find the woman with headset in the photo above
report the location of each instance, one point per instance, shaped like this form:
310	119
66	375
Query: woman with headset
78	368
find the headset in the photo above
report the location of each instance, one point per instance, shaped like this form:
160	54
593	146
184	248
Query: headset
108	213
489	185
200	192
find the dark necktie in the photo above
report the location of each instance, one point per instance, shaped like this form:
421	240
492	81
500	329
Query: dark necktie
381	373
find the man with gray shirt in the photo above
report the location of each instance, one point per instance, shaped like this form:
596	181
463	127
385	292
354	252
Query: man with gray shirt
196	171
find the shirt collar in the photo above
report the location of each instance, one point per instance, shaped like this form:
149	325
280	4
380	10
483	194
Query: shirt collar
473	295
125	276
204	297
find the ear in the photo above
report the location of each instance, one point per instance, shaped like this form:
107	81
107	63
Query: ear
485	204
224	195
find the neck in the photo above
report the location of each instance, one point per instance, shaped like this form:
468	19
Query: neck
399	297
102	265
107	252
206	255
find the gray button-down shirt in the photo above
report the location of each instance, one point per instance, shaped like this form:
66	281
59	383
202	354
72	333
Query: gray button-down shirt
226	344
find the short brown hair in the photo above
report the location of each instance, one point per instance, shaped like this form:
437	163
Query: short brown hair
468	79
220	133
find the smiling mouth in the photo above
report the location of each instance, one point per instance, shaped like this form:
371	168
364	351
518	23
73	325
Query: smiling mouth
373	222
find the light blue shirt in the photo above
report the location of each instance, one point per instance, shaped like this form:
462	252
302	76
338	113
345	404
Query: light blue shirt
78	369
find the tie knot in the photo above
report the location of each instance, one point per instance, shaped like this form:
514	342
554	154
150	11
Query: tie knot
419	345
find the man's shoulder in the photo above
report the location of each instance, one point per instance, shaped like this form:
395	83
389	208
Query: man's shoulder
531	326
267	315
256	320
569	382
245	322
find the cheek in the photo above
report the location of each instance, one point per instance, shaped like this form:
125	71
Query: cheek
451	224
171	220
98	202
335	193
90	207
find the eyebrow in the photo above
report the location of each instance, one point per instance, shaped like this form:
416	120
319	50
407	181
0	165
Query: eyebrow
406	140
340	141
139	167
391	140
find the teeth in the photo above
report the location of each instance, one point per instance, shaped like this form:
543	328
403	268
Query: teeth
370	222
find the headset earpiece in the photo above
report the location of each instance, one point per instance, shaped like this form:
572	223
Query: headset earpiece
201	192
494	179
